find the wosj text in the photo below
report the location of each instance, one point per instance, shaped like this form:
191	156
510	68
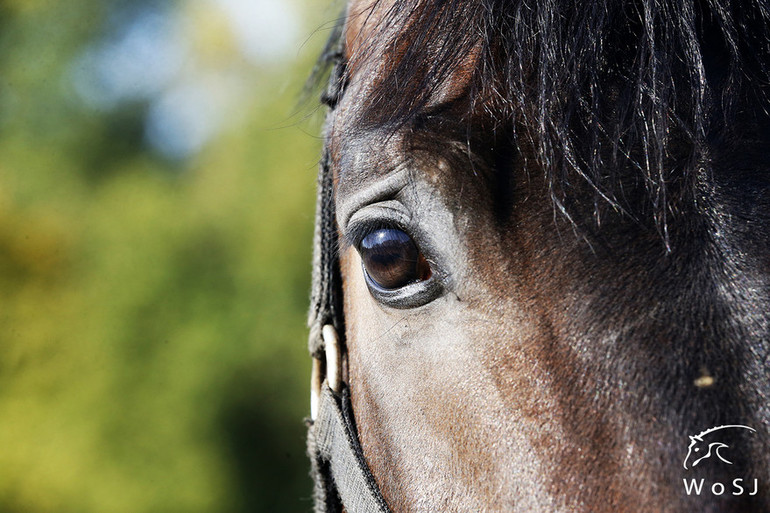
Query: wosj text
698	486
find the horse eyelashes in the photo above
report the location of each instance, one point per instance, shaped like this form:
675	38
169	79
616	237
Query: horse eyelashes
391	259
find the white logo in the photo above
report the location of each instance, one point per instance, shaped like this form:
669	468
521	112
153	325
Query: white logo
707	444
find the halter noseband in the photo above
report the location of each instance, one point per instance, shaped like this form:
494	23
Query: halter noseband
341	475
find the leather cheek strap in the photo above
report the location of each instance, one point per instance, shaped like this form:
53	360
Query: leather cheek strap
338	450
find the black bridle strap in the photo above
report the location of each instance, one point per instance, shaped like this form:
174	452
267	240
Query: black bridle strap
337	447
326	296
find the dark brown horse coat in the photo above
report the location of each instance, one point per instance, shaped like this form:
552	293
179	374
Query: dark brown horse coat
555	246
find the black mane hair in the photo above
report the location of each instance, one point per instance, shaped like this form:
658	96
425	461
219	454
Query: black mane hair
607	90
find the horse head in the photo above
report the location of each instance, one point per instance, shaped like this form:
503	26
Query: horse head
551	222
696	449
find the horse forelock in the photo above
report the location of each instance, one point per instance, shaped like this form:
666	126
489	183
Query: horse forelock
607	93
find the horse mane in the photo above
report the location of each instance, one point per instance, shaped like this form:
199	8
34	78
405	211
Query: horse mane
610	91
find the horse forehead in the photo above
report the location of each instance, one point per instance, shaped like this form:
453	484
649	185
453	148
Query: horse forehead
374	47
364	18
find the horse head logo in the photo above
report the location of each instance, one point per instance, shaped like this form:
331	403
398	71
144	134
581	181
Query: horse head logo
704	445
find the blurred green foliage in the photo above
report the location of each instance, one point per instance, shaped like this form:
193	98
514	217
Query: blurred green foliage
152	313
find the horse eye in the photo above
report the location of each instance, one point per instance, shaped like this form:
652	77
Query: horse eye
391	259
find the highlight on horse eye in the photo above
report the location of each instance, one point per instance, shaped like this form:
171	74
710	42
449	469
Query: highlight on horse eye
391	259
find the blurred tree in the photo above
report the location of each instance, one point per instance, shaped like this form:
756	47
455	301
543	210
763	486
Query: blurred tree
153	300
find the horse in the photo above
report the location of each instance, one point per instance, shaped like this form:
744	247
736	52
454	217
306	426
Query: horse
542	258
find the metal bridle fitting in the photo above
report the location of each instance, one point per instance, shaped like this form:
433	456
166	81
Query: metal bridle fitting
332	371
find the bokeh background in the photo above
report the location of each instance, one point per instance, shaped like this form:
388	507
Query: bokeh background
157	175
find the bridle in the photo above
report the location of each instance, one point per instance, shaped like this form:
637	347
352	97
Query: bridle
341	475
339	469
